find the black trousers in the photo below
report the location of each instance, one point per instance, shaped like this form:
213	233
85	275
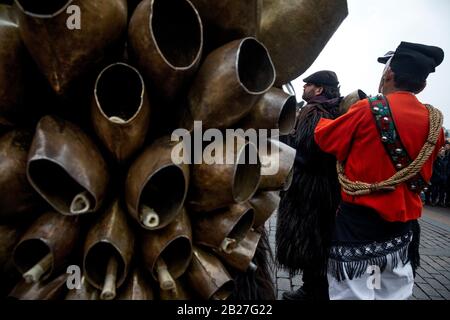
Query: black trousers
315	284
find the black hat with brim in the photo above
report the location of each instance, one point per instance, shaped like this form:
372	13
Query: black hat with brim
323	78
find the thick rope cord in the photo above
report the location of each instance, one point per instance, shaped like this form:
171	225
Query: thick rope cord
357	188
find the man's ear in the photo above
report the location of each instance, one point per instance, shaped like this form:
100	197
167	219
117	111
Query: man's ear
318	91
389	75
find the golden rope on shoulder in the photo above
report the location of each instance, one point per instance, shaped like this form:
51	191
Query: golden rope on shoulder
357	188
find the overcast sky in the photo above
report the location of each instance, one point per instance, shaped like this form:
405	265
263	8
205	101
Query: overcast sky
374	27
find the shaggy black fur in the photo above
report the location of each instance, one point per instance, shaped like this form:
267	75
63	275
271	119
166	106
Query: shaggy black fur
307	209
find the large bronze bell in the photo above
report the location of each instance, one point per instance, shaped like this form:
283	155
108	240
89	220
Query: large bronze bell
108	250
264	204
11	67
219	185
17	197
223	229
48	290
156	187
167	252
230	81
296	31
66	168
228	20
208	277
137	287
240	258
120	110
277	165
275	110
65	46
166	39
46	246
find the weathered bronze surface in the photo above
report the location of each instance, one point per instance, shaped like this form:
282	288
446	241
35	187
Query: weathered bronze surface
63	163
110	236
9	236
173	244
218	185
350	100
11	67
137	287
51	233
277	166
166	39
275	110
17	197
86	292
182	289
208	277
241	257
230	81
51	290
296	31
211	229
63	54
228	20
264	204
120	110
156	182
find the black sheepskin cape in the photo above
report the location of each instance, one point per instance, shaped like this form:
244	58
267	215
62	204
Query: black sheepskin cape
308	208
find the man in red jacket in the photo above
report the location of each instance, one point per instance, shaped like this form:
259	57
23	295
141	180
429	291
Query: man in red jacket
385	147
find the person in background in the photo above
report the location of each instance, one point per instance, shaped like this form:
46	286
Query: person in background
385	147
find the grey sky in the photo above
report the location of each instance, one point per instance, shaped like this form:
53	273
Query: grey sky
374	27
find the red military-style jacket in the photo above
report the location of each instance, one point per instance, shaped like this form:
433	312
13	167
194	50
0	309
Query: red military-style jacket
355	139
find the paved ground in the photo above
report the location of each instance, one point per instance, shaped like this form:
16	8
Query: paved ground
433	277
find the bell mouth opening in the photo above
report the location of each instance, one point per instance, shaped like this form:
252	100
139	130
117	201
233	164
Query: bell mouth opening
256	71
177	31
177	256
43	8
243	226
248	173
119	92
96	263
163	194
29	252
65	194
224	291
286	120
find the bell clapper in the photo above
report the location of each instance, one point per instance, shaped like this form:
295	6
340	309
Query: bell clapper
252	266
39	269
228	245
109	286
80	203
149	217
165	279
117	120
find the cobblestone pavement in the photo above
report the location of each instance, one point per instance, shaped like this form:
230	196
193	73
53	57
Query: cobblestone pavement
433	277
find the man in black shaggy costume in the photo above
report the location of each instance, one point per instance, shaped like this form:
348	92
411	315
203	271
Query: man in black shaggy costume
307	209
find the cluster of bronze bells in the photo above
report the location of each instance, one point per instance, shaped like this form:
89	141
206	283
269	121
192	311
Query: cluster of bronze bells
103	192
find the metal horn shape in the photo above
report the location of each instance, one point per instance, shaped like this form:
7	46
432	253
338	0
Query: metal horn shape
223	229
166	39
277	159
218	185
350	100
275	110
67	38
137	287
228	20
230	81
11	64
156	187
46	245
51	290
241	257
296	31
17	196
66	168
120	110
208	276
85	292
108	250
264	204
169	248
